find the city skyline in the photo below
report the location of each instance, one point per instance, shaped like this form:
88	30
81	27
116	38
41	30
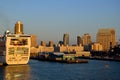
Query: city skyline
50	19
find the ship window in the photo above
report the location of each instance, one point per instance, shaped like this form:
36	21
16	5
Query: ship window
18	50
20	42
11	50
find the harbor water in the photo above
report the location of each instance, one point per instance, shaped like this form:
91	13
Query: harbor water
40	70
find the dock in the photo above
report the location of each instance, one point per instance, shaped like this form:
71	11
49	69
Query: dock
59	57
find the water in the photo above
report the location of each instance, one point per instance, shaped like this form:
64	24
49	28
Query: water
38	70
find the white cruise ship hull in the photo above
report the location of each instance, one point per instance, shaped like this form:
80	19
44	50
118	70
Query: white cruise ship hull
16	50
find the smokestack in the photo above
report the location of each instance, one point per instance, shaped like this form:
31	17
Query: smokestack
18	28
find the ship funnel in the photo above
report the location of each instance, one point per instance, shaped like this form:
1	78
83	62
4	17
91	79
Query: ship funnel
18	29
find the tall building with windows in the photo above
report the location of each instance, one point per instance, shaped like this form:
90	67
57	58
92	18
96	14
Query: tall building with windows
66	39
86	39
43	43
79	40
33	40
107	37
51	44
18	28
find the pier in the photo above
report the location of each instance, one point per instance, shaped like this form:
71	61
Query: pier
59	57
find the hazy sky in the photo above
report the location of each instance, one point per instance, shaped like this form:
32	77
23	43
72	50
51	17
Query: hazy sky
50	19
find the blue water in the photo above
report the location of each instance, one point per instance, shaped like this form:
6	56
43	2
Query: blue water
38	70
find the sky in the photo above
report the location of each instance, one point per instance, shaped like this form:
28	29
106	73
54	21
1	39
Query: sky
50	19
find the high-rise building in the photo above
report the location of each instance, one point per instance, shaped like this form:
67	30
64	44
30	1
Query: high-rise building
66	39
107	37
18	28
33	40
79	40
51	43
43	43
86	39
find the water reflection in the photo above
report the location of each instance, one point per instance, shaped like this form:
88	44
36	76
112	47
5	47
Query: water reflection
17	72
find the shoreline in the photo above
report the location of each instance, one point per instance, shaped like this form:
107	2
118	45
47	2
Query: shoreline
103	59
90	58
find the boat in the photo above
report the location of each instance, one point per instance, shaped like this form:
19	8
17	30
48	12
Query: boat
15	47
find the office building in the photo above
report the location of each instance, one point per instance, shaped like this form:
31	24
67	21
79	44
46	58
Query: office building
69	48
86	39
51	43
18	28
97	47
46	48
66	39
33	40
79	40
107	37
43	43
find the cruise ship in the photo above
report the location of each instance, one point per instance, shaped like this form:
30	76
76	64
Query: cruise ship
15	47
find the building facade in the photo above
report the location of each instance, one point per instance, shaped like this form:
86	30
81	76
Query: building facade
79	40
51	44
69	48
66	39
45	49
33	40
18	28
107	37
43	43
86	39
97	47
